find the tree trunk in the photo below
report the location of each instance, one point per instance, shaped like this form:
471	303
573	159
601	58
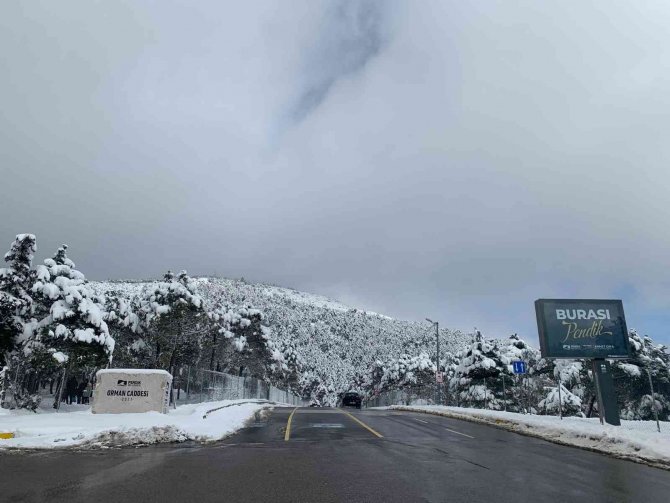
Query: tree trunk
5	382
211	359
175	346
59	390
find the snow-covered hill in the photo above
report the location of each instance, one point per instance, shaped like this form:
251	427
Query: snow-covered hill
335	344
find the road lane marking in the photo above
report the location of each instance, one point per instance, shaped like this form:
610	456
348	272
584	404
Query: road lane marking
326	425
458	432
287	435
448	429
379	435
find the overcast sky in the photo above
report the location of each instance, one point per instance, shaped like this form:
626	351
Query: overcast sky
448	159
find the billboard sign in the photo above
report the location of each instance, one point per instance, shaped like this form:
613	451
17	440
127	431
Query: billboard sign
581	328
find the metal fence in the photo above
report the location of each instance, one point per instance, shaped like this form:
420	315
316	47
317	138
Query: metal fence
199	385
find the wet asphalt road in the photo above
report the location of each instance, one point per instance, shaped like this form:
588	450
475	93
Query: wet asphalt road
330	457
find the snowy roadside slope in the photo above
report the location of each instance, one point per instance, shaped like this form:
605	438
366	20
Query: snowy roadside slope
88	430
634	440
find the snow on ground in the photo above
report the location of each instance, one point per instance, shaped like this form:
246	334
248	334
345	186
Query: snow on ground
77	426
636	440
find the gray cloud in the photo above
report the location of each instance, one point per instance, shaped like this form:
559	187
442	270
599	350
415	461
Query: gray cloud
449	160
350	35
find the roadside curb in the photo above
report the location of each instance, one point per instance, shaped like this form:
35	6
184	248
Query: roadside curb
258	402
526	430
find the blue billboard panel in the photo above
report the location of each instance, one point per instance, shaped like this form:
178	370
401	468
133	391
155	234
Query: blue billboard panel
579	328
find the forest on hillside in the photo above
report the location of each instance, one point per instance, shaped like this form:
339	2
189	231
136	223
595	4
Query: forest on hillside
54	322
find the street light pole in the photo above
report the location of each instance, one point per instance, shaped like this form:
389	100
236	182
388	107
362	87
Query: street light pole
438	388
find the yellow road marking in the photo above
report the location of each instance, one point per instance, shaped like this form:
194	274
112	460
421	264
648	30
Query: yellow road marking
6	435
287	435
364	425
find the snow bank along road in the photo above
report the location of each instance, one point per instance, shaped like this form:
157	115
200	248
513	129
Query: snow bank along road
330	455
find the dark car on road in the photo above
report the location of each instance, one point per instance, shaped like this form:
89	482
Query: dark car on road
352	399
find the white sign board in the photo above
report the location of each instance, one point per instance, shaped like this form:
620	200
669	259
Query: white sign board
131	390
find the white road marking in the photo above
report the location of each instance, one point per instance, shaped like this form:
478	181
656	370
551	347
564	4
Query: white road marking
448	429
458	433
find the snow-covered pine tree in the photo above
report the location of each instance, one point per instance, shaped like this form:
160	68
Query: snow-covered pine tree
123	312
15	292
523	391
174	321
70	316
410	373
631	378
286	363
15	302
477	380
246	347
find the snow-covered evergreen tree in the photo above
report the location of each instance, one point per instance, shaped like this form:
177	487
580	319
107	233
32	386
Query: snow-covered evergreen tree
403	372
477	380
631	379
247	348
172	320
69	315
16	301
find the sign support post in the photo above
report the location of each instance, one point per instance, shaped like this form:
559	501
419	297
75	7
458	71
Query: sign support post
608	409
560	402
599	399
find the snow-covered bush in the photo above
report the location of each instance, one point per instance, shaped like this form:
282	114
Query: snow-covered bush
570	404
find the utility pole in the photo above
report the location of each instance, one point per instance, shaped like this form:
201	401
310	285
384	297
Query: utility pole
438	389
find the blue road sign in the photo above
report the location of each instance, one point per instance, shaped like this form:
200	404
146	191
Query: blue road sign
519	367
